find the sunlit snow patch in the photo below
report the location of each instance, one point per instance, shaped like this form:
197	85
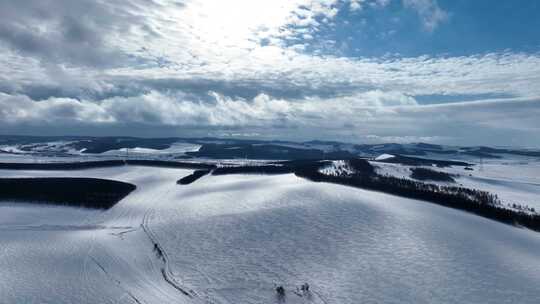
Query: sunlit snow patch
384	156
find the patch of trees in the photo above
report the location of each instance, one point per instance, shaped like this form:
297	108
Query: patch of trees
361	166
428	174
78	192
186	180
522	207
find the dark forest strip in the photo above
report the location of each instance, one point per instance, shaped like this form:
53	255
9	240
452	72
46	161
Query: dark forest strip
186	180
428	174
77	192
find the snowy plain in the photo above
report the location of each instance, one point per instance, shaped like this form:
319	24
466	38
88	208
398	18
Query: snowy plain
515	180
230	239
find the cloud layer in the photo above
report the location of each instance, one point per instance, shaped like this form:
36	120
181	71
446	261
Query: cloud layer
205	67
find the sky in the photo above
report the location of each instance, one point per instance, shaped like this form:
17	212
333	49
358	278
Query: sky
363	71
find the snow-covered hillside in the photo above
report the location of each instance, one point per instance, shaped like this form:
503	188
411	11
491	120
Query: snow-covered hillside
515	180
176	148
230	239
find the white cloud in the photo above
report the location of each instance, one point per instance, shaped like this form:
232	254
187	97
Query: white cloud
180	109
356	5
429	11
358	117
202	64
15	109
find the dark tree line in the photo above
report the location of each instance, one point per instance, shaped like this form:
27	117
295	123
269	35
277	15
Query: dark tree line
186	180
78	192
428	174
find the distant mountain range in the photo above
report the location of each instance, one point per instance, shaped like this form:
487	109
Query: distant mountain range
218	148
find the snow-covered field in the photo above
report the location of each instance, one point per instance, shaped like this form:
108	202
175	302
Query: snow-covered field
230	239
175	148
61	151
515	180
39	158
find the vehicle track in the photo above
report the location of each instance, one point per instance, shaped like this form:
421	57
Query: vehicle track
118	282
162	268
165	270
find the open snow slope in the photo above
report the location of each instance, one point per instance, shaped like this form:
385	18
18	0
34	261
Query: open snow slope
229	239
102	257
515	181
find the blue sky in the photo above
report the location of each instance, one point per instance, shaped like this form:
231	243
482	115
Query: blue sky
457	72
464	28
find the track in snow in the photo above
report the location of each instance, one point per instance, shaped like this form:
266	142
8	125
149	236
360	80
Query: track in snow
162	254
